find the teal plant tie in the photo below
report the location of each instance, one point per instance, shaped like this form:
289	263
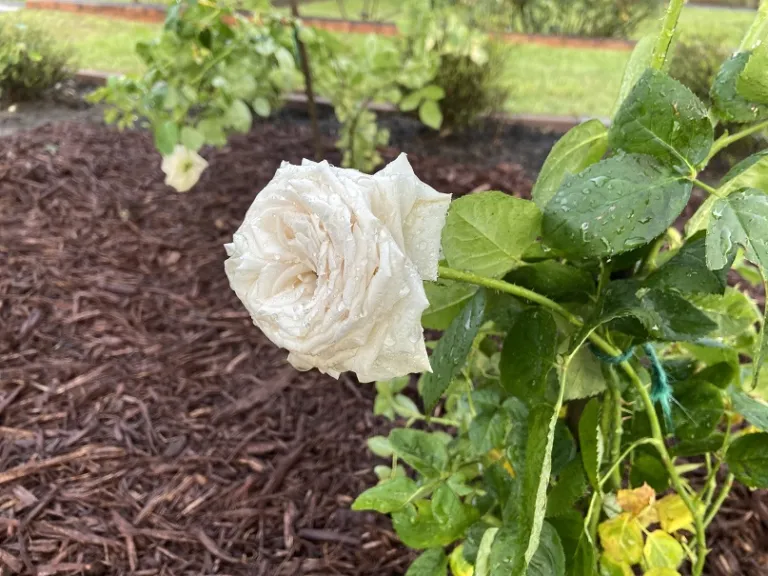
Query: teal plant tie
608	359
661	389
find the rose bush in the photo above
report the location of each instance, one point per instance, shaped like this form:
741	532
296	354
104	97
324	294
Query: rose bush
593	354
330	263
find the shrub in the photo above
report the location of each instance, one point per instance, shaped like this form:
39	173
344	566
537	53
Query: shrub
30	62
472	89
593	18
695	62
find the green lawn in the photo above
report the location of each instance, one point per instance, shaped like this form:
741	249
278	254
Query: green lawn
99	43
543	80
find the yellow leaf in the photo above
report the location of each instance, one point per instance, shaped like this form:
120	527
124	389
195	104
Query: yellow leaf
622	539
610	568
674	514
459	566
662	551
637	500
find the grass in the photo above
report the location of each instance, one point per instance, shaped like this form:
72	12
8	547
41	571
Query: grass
543	79
99	43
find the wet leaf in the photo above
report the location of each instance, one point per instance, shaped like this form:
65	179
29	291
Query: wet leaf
452	350
740	219
729	105
614	206
446	300
687	271
639	62
554	280
747	458
581	146
663	118
487	233
529	354
698	410
661	314
752	83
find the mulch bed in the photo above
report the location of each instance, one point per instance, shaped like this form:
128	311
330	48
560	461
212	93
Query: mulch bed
146	427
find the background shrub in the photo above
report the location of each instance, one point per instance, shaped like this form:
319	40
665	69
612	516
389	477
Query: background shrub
695	62
592	18
30	63
472	89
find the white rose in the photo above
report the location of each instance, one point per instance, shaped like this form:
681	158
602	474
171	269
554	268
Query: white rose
183	168
330	263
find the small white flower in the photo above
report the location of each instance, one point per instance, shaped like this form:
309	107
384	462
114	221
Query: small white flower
330	264
183	168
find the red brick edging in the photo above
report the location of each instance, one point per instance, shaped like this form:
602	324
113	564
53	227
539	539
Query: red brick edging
156	13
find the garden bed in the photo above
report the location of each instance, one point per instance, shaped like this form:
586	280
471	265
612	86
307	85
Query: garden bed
147	427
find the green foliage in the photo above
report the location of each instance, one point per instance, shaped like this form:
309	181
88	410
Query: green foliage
30	62
474	86
748	459
207	74
543	446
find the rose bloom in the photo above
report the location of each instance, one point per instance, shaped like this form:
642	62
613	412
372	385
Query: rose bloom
183	168
330	264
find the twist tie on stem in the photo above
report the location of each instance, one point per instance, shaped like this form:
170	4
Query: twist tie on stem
608	359
661	390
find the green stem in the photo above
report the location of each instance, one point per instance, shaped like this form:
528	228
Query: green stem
649	262
728	139
615	396
469	278
595	519
706	187
624	455
605	346
724	491
435	420
666	34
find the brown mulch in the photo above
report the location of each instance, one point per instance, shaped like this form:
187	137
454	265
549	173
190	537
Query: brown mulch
146	427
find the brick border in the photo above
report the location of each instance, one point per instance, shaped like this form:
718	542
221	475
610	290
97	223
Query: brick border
156	13
297	101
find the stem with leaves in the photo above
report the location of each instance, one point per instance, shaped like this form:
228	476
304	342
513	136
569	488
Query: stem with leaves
678	483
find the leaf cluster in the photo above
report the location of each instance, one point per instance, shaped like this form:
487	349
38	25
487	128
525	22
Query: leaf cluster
541	447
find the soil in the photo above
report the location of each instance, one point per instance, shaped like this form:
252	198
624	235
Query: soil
146	427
